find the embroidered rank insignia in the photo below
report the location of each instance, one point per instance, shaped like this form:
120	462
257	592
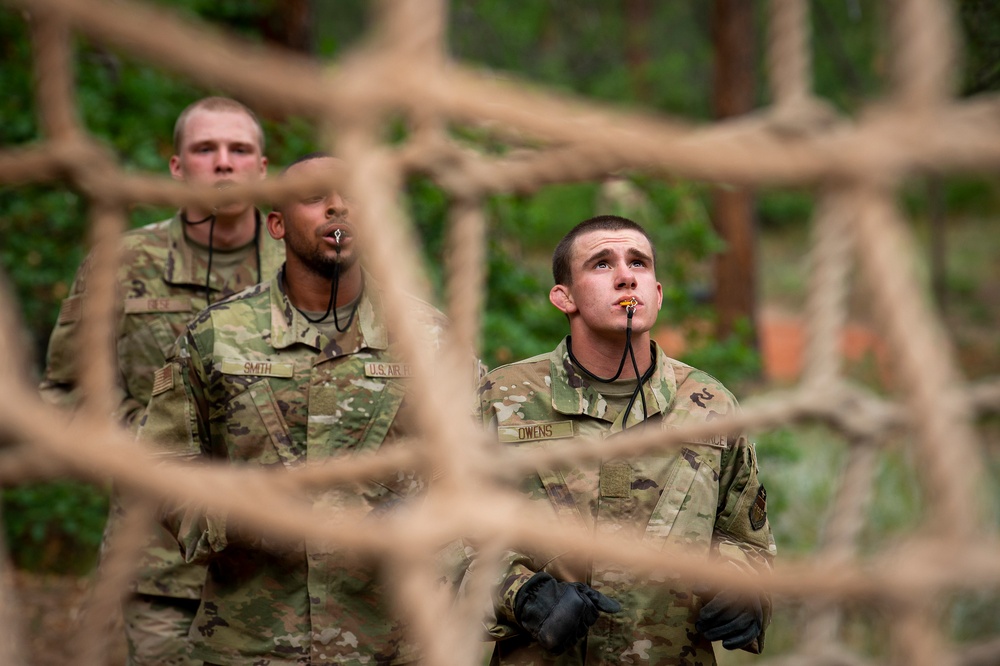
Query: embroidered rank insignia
163	380
758	511
616	479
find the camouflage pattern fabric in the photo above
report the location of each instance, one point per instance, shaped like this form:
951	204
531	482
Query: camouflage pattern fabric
704	497
157	630
161	286
254	383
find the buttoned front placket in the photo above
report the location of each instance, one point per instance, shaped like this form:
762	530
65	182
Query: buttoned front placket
619	513
347	412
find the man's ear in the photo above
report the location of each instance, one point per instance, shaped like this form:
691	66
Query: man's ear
175	168
276	225
562	298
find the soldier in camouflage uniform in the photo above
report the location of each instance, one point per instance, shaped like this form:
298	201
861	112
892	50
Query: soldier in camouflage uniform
297	370
170	270
552	608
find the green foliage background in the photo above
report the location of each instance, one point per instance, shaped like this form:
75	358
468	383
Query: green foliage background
567	45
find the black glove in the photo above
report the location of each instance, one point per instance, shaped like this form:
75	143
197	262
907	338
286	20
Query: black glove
731	617
558	614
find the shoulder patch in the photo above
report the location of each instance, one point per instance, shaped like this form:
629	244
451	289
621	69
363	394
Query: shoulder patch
529	432
70	310
163	380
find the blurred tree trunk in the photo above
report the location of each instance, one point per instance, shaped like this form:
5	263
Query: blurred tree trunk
289	23
733	207
638	17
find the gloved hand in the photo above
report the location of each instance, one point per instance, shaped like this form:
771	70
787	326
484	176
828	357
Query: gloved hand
558	614
735	618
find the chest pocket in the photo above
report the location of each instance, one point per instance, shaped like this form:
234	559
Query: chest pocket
690	495
249	428
352	418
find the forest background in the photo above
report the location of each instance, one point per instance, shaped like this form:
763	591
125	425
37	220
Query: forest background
631	53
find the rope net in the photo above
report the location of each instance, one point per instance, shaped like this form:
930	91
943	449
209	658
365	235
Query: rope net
855	165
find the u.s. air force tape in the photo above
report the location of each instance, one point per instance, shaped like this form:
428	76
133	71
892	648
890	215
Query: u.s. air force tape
376	369
528	432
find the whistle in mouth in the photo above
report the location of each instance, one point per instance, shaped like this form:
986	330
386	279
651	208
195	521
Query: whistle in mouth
628	303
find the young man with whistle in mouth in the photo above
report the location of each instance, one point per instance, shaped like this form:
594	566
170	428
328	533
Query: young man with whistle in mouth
702	497
295	370
169	271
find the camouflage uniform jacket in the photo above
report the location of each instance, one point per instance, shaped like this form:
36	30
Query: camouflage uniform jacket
253	383
704	497
161	284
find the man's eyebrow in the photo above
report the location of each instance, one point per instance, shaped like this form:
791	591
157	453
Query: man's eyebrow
631	253
600	254
636	252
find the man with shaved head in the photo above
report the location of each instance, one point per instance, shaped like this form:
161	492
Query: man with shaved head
702	497
169	271
296	370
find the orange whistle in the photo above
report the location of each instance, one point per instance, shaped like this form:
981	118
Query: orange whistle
630	303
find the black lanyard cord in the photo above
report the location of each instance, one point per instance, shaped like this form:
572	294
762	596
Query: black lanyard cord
334	288
628	352
604	380
211	247
211	233
638	388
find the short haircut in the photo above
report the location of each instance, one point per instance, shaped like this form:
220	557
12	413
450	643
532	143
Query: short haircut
315	155
279	205
215	104
561	257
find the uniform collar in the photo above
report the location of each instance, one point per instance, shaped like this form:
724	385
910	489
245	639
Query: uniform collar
575	394
183	268
290	327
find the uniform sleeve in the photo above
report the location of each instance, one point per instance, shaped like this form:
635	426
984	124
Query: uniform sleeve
58	386
175	424
742	534
59	380
515	568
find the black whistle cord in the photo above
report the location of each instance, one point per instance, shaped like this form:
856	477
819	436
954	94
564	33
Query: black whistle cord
334	288
256	243
626	353
211	233
211	249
